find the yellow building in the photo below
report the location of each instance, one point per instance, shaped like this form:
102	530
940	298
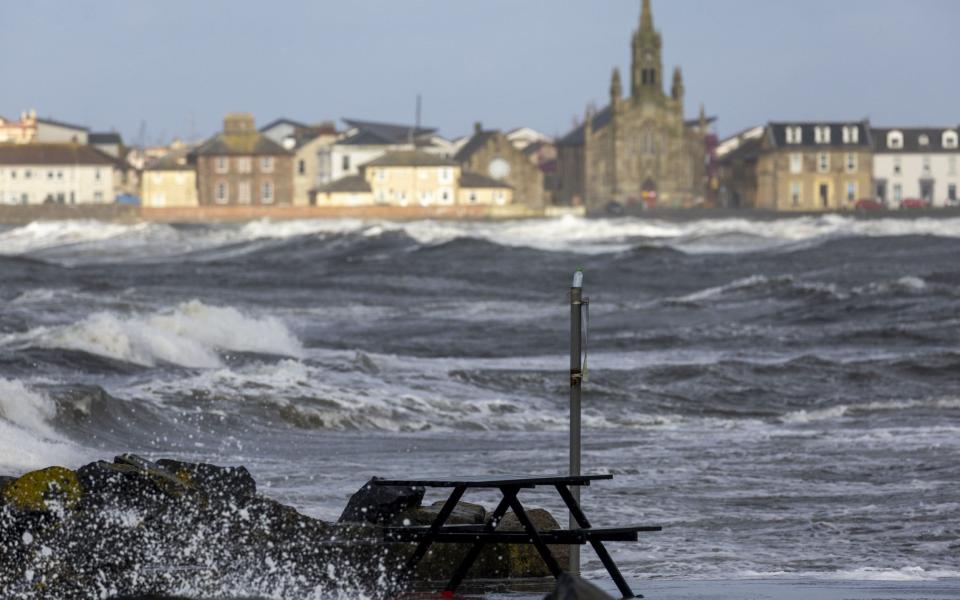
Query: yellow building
411	178
170	181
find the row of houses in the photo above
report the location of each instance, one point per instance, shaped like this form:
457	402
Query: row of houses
826	166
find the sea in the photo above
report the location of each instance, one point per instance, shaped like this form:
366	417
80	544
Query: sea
781	395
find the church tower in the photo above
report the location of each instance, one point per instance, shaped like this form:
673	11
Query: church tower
647	71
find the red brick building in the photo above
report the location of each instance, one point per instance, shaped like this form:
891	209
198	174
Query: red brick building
241	166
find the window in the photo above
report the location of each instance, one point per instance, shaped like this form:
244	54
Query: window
422	173
222	164
851	134
50	175
27	174
266	164
895	140
158	199
243	192
446	175
795	197
499	198
926	165
823	162
952	192
13	174
59	175
796	163
97	197
851	191
266	192
949	139
851	162
445	195
244	164
473	196
896	165
380	174
897	192
346	162
794	134
221	194
97	175
923	139
821	134
25	198
951	165
301	167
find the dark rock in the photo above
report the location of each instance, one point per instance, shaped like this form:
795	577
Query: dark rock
571	587
380	504
464	513
212	480
4	480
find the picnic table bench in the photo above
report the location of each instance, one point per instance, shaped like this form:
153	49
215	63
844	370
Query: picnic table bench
481	535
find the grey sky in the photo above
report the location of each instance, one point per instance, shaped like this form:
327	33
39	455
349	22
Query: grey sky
180	64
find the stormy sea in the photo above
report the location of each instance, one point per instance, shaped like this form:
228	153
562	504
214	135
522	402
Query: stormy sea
780	394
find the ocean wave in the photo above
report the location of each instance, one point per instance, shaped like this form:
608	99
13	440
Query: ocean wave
192	334
28	440
850	410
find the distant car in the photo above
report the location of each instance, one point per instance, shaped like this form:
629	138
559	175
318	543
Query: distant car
912	203
868	204
615	209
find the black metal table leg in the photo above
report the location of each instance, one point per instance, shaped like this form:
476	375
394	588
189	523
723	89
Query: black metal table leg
598	546
474	552
528	526
438	522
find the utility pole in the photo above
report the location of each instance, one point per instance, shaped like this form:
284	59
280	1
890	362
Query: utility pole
576	378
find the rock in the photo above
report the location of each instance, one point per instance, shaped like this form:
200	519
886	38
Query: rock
213	480
464	513
380	504
572	587
124	486
46	490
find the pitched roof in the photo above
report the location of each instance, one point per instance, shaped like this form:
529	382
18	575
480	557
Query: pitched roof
410	158
469	179
63	124
370	132
351	183
777	133
575	136
177	160
53	154
247	143
475	143
105	138
911	139
283	121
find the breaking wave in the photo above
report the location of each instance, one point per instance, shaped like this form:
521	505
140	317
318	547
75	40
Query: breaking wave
28	440
192	334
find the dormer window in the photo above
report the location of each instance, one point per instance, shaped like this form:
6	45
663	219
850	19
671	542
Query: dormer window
794	134
895	140
821	134
949	139
851	134
923	140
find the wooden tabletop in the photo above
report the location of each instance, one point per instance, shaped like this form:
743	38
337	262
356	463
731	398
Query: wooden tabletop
494	481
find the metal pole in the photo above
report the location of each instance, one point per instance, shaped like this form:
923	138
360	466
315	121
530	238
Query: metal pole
576	377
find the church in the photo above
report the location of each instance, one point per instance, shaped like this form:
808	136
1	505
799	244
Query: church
638	149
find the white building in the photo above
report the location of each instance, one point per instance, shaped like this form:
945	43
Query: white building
55	174
917	164
364	141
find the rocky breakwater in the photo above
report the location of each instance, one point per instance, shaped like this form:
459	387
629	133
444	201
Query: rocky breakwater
134	526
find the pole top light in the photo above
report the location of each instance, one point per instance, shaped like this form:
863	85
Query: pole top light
578	279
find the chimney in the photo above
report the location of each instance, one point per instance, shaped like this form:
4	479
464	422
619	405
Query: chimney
477	127
238	123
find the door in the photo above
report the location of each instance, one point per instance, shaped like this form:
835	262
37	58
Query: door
824	193
926	191
882	191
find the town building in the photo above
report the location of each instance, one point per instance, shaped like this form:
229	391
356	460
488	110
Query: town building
42	173
818	166
736	160
109	143
916	163
412	178
311	147
491	153
170	181
639	147
31	129
241	166
364	141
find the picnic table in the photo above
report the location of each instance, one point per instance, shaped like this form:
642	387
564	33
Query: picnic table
481	535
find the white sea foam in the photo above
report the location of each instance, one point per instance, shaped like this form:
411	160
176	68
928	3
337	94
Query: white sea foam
192	335
843	410
27	439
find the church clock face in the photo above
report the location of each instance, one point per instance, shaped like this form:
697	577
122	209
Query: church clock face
648	57
498	168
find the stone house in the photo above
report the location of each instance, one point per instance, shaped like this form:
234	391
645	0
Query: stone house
492	153
819	166
241	166
916	163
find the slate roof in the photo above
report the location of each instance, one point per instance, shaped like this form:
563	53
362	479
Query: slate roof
911	139
777	134
351	183
373	133
410	158
243	144
53	154
282	121
63	124
601	119
469	179
178	160
105	138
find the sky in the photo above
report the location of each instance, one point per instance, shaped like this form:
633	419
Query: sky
174	67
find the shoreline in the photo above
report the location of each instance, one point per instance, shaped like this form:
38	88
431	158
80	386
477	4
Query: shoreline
130	214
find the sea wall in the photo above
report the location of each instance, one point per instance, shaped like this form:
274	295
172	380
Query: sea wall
21	215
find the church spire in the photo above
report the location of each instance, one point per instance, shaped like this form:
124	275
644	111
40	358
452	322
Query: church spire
676	90
616	89
646	73
646	17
